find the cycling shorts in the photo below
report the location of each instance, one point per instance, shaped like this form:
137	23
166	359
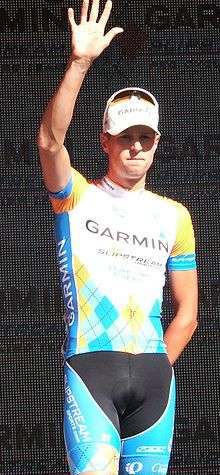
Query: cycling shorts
119	413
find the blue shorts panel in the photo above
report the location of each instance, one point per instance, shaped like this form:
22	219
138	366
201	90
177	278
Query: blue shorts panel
92	442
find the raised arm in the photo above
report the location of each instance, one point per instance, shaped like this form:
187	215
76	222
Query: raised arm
88	41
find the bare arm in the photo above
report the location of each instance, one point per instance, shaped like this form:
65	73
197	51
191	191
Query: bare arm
185	297
54	156
88	41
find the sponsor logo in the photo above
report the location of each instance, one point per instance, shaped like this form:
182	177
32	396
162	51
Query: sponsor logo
156	449
159	468
75	417
66	280
144	241
129	110
134	467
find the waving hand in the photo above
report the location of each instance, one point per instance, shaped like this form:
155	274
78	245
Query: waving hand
88	37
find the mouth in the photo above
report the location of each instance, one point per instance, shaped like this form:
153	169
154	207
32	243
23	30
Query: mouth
136	159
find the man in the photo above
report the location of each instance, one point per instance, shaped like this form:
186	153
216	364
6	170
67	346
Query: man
114	241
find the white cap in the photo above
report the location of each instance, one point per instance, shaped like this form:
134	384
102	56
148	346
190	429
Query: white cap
128	107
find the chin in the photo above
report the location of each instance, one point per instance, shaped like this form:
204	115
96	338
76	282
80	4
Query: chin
135	176
136	172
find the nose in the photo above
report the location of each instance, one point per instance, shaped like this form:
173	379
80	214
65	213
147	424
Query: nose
136	146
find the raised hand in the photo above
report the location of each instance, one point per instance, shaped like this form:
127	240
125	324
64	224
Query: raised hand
88	38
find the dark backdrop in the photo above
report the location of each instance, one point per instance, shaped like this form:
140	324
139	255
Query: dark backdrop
171	48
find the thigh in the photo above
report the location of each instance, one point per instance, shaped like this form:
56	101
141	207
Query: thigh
148	452
92	442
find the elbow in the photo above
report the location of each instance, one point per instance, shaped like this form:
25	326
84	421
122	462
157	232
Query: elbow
193	321
194	317
190	325
46	142
194	325
192	328
187	321
43	138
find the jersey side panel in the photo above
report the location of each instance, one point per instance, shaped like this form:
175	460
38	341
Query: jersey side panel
63	202
183	252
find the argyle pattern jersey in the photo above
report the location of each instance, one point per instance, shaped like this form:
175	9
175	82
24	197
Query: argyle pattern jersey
113	248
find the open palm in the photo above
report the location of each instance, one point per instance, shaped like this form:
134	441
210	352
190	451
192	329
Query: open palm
88	37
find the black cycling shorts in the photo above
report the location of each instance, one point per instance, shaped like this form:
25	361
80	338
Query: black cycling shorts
119	413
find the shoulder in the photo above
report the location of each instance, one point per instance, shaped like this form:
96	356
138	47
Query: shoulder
165	202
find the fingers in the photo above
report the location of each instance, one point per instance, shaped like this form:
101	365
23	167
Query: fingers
71	17
94	11
112	33
106	13
84	11
94	16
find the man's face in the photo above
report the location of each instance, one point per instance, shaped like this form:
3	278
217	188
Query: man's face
130	153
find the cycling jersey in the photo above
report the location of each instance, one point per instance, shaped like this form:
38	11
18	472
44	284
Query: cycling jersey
113	247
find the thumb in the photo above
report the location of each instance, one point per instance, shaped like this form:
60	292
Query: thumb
112	33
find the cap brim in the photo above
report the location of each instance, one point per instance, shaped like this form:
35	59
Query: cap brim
117	130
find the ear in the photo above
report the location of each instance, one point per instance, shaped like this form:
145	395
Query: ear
104	142
156	141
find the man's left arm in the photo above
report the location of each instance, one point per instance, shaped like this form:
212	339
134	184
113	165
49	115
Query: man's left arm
184	289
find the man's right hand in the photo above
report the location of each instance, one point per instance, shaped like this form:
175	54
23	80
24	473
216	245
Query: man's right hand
88	40
88	37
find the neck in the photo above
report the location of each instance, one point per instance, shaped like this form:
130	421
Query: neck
127	183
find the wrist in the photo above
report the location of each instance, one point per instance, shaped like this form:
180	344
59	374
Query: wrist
83	64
